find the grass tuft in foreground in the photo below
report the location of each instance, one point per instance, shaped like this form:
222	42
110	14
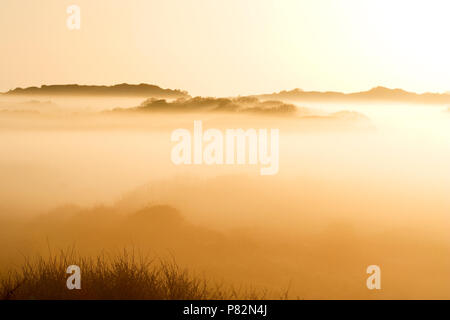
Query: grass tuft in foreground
123	276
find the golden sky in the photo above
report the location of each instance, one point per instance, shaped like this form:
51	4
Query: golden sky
212	47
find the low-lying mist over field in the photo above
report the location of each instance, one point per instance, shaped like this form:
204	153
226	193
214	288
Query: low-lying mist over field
359	183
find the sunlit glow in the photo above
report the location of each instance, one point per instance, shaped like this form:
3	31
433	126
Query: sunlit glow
230	47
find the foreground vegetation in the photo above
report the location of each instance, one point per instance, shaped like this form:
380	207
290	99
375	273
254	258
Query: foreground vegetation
122	276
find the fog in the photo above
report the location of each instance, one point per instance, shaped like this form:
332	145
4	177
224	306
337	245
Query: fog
353	189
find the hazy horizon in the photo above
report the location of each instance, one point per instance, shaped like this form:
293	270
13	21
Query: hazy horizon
321	45
118	83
